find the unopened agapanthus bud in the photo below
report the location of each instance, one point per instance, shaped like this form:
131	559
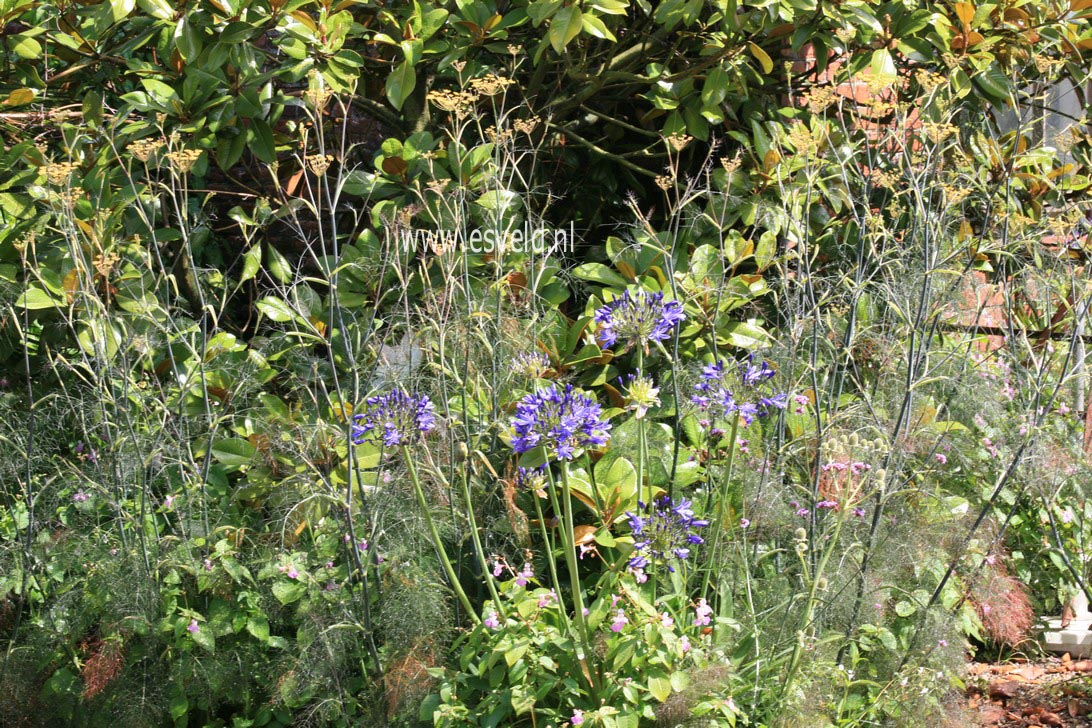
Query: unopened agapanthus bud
801	534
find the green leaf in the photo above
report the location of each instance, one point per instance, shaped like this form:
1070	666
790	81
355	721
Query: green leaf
595	27
599	273
121	9
275	309
186	39
258	627
26	47
179	706
400	84
19	97
35	299
715	88
905	609
994	83
746	335
278	265
660	688
287	592
564	26
883	66
261	141
205	638
159	91
762	57
159	9
234	452
252	261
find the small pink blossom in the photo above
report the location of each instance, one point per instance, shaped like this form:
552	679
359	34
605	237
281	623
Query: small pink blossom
498	568
941	458
525	575
702	613
208	565
292	572
619	622
684	643
743	523
578	717
491	621
193	628
666	621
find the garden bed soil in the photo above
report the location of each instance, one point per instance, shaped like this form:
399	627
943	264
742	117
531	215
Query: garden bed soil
1054	691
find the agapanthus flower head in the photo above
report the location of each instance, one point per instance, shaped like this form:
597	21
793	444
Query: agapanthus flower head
531	364
642	394
637	320
560	420
739	391
396	418
663	531
532	478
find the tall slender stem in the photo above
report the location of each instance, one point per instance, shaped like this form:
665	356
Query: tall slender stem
436	542
641	446
722	496
551	562
478	550
583	645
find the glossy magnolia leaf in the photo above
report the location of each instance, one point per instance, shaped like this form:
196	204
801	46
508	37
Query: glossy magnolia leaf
400	84
19	97
965	13
883	66
762	57
599	273
565	26
36	299
26	47
595	27
121	9
715	88
234	452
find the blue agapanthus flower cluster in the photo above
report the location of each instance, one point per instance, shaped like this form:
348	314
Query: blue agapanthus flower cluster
750	399
531	478
560	420
637	320
396	418
663	532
